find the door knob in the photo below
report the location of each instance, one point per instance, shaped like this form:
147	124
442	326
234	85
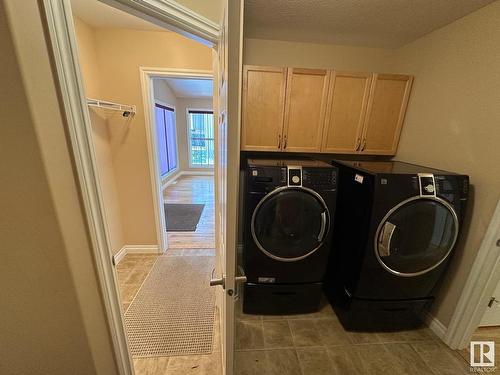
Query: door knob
217	281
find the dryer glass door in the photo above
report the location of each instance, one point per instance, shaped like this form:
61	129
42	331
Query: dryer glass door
416	236
290	223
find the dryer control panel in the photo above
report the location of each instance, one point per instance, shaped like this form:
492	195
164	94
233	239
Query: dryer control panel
294	175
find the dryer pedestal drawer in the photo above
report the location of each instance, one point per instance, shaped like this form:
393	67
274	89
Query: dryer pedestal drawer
381	316
281	299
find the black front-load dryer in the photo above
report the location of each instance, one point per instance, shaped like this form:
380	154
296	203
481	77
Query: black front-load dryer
289	207
396	227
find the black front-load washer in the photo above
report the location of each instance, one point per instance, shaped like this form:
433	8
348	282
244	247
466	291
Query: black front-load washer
289	206
396	227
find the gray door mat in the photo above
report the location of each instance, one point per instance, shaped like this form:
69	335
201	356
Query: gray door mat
173	312
182	217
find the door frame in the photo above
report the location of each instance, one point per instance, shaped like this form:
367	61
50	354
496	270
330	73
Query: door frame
147	75
479	287
61	30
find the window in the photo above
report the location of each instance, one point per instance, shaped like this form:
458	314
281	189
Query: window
201	138
167	143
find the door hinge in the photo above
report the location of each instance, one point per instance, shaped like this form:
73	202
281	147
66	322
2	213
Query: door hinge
492	301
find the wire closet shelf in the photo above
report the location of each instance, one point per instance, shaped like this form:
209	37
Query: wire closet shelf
126	110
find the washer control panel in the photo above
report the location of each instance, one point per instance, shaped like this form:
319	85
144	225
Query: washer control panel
294	175
427	185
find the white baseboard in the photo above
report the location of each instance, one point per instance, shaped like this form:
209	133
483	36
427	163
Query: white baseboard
435	325
197	173
117	258
134	249
142	249
170	179
175	176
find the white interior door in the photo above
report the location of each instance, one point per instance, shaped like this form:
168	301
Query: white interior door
228	66
491	316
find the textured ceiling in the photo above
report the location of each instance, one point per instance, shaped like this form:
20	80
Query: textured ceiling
99	15
370	23
190	88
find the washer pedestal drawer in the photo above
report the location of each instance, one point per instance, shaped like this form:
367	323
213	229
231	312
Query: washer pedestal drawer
281	299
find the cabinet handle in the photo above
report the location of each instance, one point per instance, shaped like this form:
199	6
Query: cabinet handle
285	142
358	143
364	145
279	141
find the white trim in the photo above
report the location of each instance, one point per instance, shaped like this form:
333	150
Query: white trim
435	325
175	176
483	278
188	128
117	258
171	178
197	173
173	16
141	249
165	104
134	249
154	164
65	53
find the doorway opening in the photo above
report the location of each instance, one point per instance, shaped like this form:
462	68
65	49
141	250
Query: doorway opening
154	152
184	125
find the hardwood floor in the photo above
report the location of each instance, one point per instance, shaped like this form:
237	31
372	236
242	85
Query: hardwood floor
193	189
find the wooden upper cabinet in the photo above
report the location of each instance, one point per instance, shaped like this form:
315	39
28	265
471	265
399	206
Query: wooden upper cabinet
385	114
305	105
262	108
347	103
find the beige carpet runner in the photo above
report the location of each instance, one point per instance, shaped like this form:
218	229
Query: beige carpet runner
173	312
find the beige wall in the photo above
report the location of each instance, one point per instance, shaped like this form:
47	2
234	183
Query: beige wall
120	53
311	55
52	318
100	132
453	122
109	189
88	58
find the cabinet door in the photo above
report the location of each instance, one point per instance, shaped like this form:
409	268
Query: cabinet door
305	105
262	108
347	103
386	109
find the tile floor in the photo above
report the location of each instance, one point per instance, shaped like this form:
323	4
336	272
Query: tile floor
316	344
304	344
132	271
485	334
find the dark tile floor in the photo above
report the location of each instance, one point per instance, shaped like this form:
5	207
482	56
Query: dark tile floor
317	344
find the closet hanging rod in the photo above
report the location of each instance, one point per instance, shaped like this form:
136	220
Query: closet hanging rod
127	110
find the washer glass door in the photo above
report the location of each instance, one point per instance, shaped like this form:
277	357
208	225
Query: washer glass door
416	236
290	223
